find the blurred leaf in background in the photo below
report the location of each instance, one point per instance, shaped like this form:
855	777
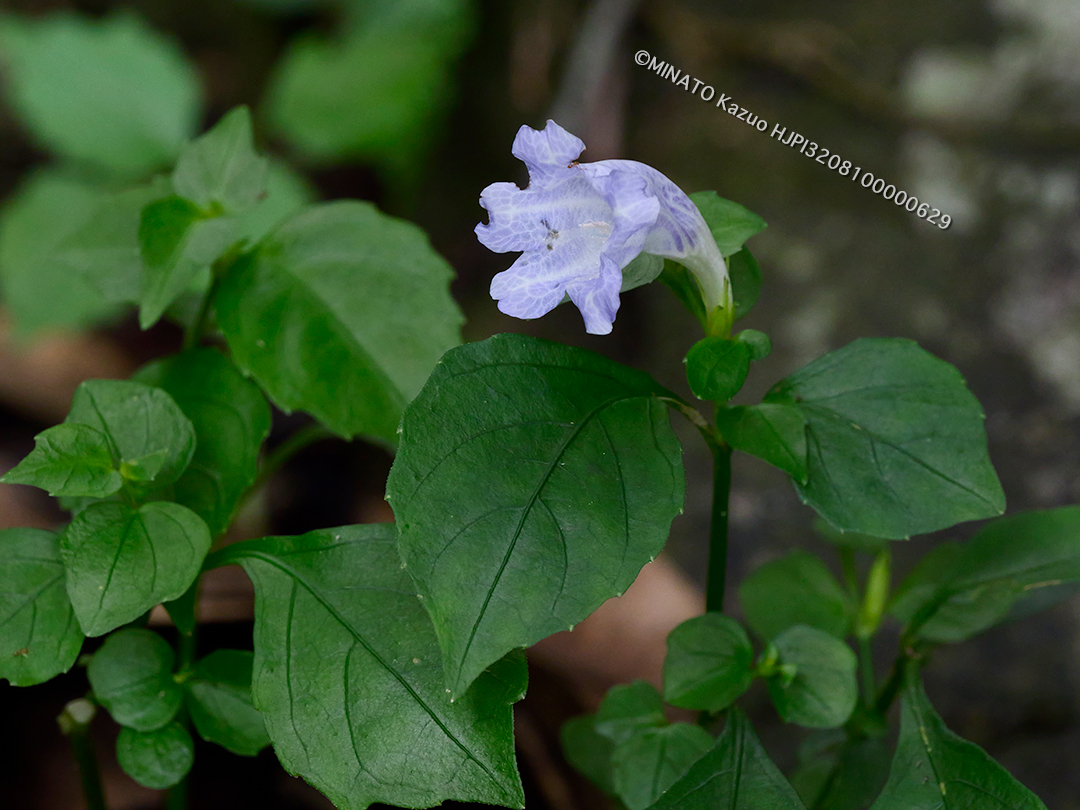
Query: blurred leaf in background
377	89
112	94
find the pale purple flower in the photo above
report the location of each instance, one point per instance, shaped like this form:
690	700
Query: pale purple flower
580	224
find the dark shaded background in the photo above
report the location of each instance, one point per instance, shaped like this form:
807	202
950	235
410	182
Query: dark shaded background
972	105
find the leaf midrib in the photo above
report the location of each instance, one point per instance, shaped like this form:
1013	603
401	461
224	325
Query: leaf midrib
525	511
269	559
874	434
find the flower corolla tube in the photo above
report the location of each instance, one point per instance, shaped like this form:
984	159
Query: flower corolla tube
579	225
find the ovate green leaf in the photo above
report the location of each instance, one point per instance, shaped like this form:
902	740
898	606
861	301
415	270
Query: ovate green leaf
341	312
39	637
132	676
178	241
797	588
104	250
120	562
746	280
155	759
231	419
838	772
219	702
375	92
716	368
934	767
731	224
140	422
628	708
956	590
735	774
348	679
222	167
40	289
649	762
533	482
823	692
709	663
287	192
109	92
896	440
773	432
69	459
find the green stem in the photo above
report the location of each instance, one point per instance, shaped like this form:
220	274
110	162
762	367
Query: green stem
193	334
866	667
75	722
185	656
718	530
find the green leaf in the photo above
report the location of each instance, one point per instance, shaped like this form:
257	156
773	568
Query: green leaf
628	708
934	767
222	167
341	312
533	482
853	540
120	562
773	432
104	250
759	343
348	679
731	224
651	761
838	772
735	774
40	637
231	419
155	759
146	468
589	752
286	193
642	270
110	92
39	289
797	588
682	282
139	422
132	676
745	274
823	692
70	460
966	589
709	663
896	440
716	368
219	701
1031	549
178	241
375	93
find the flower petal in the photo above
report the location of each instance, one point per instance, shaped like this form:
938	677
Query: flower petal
634	208
546	152
598	298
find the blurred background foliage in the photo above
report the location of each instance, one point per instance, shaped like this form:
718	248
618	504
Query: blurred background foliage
971	105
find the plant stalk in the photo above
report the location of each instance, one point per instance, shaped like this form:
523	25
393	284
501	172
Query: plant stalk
185	656
75	722
718	529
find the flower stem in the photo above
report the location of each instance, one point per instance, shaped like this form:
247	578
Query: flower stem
75	722
718	530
